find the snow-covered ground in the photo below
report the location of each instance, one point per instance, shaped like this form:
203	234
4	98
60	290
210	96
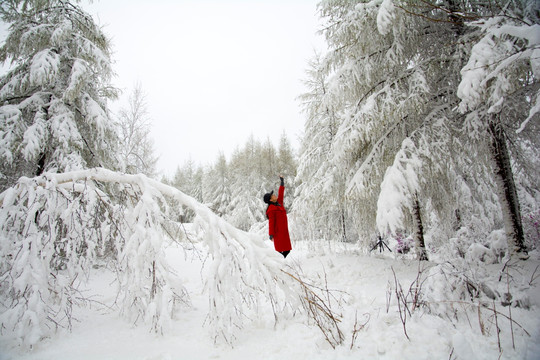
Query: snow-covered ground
362	283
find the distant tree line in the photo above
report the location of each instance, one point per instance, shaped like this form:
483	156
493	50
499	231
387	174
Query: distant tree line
234	188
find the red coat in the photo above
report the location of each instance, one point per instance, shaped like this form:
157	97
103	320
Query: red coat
277	224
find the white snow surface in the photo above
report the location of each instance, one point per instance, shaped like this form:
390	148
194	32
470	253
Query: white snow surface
361	282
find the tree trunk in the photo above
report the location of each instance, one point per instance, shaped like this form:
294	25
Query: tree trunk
41	164
506	188
455	18
343	227
419	231
153	290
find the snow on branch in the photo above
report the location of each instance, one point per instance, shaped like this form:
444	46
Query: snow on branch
503	48
55	227
357	180
398	187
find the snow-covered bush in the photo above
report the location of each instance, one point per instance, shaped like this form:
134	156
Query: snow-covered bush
480	252
497	243
475	246
403	244
450	288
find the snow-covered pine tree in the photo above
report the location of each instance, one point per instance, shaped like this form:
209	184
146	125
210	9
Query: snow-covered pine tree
268	163
286	165
381	70
198	181
392	75
136	146
235	189
189	180
286	160
318	204
54	114
500	96
216	186
246	206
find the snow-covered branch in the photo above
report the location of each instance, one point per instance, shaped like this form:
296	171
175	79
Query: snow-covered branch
503	48
53	228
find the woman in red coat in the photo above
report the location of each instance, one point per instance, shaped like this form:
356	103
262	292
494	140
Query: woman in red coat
278	228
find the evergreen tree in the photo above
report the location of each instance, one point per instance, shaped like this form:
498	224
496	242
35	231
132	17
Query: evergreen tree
245	208
189	180
269	162
286	163
54	114
217	191
234	189
390	81
500	95
319	204
401	97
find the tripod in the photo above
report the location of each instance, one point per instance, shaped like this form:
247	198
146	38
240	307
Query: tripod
381	244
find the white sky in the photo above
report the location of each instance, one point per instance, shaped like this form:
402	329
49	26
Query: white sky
214	72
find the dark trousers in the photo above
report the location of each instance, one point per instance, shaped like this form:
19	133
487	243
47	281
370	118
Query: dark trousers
285	253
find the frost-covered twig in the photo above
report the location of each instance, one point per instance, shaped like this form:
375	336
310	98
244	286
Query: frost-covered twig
316	302
480	306
534	276
498	313
358	327
497	329
510	309
410	301
403	309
